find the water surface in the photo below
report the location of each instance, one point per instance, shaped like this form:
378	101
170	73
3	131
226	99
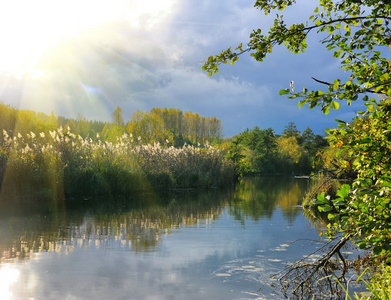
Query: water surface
215	244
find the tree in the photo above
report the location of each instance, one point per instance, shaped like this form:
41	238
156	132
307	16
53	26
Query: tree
148	128
356	32
112	132
308	138
263	143
290	151
215	129
118	118
291	131
83	126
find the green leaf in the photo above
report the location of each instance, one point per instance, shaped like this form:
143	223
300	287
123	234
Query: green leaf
334	105
336	84
363	245
318	202
284	92
366	140
325	208
386	184
330	29
339	203
321	197
337	53
385	77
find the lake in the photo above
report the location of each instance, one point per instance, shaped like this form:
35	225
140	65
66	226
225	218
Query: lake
214	244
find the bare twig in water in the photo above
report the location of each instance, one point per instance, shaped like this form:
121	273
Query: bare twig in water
301	279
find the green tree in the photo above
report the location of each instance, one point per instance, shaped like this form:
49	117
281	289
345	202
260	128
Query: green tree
235	153
308	139
148	128
355	31
118	118
83	126
263	144
112	132
291	131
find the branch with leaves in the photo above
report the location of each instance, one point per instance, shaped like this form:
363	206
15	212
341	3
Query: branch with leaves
354	32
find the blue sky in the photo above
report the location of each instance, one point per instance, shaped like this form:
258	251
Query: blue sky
144	54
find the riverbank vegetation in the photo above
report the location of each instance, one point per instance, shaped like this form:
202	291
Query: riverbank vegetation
162	149
58	163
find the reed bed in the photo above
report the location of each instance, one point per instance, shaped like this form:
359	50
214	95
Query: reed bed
62	163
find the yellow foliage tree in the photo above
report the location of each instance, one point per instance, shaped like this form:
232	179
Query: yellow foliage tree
148	128
289	149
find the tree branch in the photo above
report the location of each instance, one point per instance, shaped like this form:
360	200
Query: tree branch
320	81
369	90
324	261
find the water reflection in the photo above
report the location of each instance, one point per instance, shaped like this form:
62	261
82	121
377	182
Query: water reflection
139	224
165	246
258	197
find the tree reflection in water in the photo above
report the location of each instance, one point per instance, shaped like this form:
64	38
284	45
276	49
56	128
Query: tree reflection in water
258	197
139	222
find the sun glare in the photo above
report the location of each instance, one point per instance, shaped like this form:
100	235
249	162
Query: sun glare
28	28
8	276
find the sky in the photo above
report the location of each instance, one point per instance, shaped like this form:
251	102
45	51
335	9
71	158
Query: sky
70	57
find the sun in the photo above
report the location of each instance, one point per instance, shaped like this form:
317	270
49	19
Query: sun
28	28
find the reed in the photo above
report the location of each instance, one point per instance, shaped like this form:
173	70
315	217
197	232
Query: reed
62	163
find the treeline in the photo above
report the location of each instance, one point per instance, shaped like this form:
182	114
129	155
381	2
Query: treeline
19	121
170	126
175	127
261	151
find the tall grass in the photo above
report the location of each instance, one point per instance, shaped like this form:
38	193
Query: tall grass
62	163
